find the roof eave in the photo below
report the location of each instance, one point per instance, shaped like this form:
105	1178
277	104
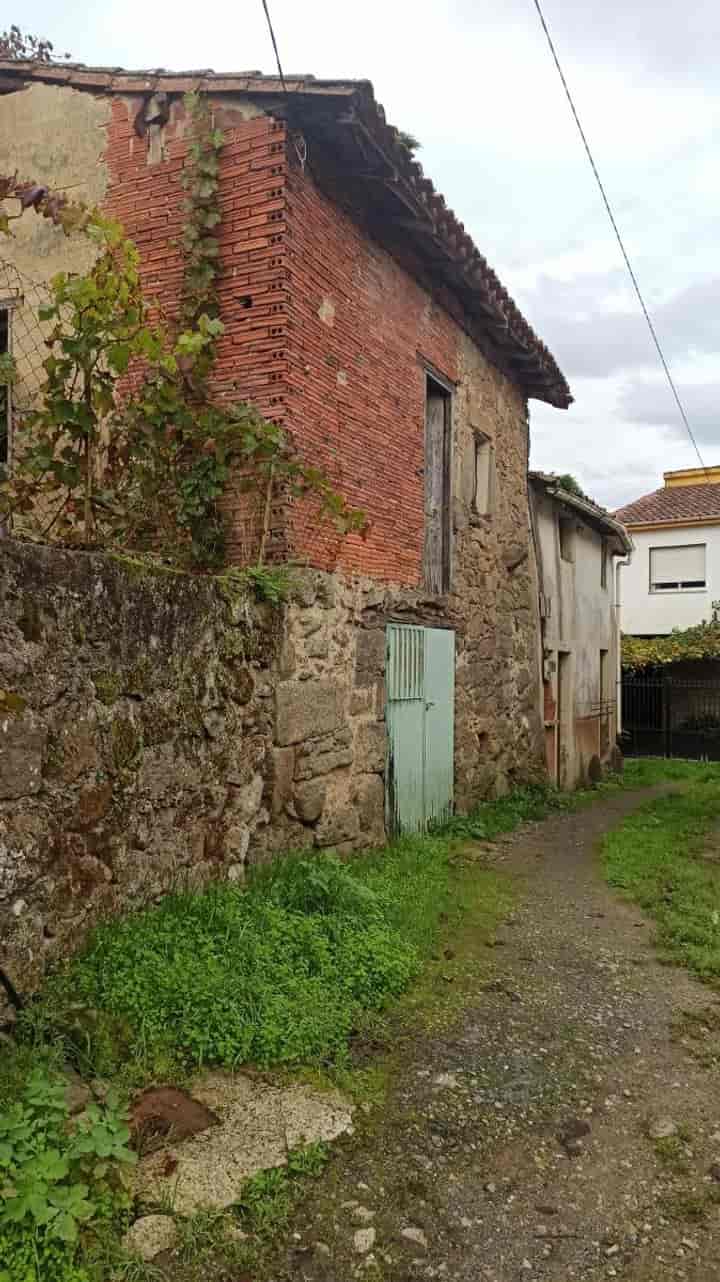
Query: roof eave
596	516
351	106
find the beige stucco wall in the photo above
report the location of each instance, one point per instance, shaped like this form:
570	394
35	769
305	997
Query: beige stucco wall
580	623
55	137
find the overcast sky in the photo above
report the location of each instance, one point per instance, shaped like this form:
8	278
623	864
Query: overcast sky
473	80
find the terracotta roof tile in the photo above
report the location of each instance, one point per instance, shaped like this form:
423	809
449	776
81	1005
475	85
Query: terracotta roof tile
672	503
347	113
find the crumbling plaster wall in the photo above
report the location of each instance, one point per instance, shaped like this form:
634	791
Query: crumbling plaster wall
55	137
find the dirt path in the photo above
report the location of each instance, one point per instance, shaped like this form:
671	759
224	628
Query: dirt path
580	1033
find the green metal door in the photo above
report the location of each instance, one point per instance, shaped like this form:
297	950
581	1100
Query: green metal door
420	689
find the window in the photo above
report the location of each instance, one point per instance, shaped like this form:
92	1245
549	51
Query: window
484	496
438	427
5	404
566	534
678	569
603	563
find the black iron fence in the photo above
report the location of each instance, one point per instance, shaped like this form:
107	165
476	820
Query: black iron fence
663	716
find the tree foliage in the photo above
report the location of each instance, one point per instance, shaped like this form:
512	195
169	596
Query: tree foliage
568	483
699	642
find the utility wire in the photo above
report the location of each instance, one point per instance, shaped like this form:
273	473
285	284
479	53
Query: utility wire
616	229
274	45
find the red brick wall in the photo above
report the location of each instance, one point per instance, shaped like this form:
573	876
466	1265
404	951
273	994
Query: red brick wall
324	331
356	394
149	201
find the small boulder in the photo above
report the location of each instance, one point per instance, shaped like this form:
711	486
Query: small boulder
150	1235
661	1128
363	1240
412	1234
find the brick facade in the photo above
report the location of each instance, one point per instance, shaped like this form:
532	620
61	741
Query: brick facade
325	332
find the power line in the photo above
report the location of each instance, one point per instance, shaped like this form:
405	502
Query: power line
274	45
619	238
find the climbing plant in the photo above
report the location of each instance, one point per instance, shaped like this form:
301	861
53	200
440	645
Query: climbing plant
127	444
201	180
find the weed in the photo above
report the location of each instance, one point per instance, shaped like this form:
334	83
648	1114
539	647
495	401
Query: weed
277	974
266	1199
18	1060
202	1233
271	583
670	1151
491	818
684	1204
58	1178
308	1162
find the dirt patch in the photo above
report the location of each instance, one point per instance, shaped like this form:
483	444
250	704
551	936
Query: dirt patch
167	1113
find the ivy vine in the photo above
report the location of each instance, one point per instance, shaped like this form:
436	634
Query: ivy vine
200	244
145	467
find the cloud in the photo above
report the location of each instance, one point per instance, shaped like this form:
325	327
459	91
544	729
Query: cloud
651	402
591	339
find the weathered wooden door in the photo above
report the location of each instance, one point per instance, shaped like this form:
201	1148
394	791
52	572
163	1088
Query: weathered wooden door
420	686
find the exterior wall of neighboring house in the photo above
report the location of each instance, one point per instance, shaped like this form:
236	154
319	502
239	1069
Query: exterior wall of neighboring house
56	136
579	641
653	613
332	338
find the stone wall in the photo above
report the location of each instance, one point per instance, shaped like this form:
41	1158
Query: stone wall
155	735
136	718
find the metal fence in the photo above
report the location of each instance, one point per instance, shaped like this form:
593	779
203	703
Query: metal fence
663	716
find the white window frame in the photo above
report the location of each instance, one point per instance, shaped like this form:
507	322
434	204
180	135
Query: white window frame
665	586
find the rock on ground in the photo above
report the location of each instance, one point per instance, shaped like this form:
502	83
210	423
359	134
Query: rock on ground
150	1235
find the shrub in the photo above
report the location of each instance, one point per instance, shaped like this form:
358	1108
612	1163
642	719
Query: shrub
56	1178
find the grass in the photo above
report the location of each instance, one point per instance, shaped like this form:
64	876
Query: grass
656	858
671	1152
286	971
275	974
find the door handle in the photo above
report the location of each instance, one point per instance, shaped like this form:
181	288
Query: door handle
430	704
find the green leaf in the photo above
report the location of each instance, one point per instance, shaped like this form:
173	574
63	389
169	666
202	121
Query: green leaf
65	1227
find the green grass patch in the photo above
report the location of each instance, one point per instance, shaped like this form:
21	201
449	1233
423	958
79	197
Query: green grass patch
278	973
643	772
656	858
285	971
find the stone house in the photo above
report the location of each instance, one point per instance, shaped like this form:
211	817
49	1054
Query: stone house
360	315
579	550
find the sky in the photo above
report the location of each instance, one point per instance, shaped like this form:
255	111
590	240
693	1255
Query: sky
473	80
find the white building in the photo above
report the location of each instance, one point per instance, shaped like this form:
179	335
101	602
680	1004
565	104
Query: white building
674	576
577	545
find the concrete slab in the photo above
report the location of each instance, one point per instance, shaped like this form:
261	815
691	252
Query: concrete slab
257	1125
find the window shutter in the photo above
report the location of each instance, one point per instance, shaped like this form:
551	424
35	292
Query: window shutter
677	565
